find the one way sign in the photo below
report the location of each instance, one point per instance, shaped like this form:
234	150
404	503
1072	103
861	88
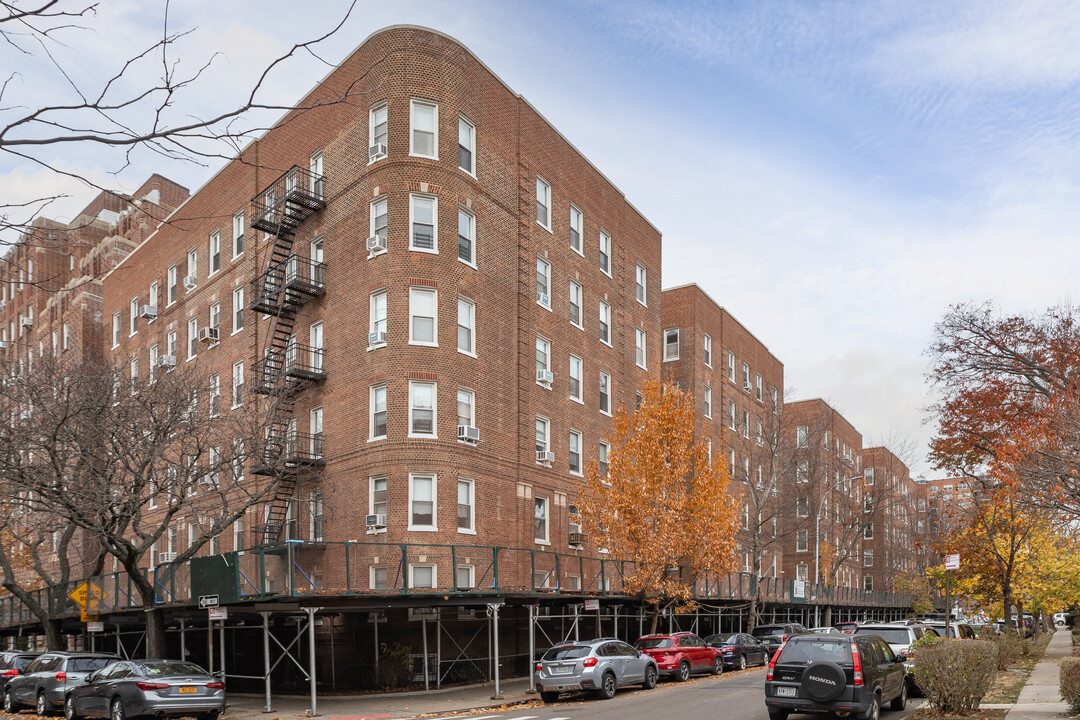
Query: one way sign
208	601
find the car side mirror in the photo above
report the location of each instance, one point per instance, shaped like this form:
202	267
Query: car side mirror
901	657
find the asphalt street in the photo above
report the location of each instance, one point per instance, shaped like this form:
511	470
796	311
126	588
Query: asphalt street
732	696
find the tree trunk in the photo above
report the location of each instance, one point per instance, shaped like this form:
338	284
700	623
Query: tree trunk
654	618
53	639
153	615
52	630
1020	618
1006	601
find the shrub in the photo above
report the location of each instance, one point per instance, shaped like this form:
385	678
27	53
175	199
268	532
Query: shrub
395	666
1009	647
1069	682
955	675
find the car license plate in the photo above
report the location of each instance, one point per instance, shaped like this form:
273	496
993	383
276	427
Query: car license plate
187	689
561	670
785	692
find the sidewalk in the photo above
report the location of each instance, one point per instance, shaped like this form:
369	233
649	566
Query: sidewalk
1040	699
390	705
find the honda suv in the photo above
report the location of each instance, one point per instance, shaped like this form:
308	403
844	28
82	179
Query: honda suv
847	675
602	665
45	681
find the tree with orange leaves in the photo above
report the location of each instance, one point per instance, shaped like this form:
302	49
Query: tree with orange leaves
663	503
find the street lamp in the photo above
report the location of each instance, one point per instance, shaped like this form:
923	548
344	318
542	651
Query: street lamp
817	523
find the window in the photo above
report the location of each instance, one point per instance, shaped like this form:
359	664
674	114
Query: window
868	531
543	203
543	427
802	472
639	344
193	263
802	506
215	317
134	374
731	414
575	230
605	393
316	170
422	315
377	132
238	383
868	558
868	503
172	344
801	540
466	237
466	407
605	323
775	401
671	344
466	319
377	319
605	253
463	577
575	303
575	452
575	378
193	337
378	578
602	457
65	337
707	351
731	366
422	502
215	395
640	287
757	387
543	355
377	497
238	308
465	503
421	409
315	428
466	145
171	285
746	377
868	582
802	571
153	297
238	234
540	519
421	576
215	252
802	436
543	282
708	401
377	421
133	316
379	221
760	433
868	476
423	213
425	129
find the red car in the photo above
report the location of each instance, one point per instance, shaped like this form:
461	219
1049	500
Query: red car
681	653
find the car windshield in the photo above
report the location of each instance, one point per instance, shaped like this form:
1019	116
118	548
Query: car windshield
940	631
729	639
806	650
567	652
893	637
768	630
652	643
161	669
85	665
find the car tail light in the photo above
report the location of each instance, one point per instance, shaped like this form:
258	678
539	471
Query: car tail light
783	638
152	686
539	667
727	648
216	685
10	673
61	677
589	662
856	664
772	664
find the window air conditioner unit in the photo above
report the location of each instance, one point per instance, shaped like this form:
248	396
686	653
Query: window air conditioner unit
3	344
376	152
468	433
545	457
747	386
190	282
376	245
166	557
575	528
545	377
27	323
208	335
576	538
377	338
167	361
148	311
376	521
543	298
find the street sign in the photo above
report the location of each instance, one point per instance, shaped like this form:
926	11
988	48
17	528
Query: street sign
88	595
208	601
952	562
798	589
218	613
592	604
85	616
95	626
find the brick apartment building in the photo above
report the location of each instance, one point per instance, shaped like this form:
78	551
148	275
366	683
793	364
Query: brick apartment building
896	514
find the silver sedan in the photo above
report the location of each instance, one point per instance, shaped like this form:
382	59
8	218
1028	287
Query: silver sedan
164	688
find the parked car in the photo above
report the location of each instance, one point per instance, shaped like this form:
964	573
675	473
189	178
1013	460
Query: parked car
680	654
956	630
846	675
899	638
847	627
824	631
601	666
774	635
47	679
740	649
12	663
133	688
1059	618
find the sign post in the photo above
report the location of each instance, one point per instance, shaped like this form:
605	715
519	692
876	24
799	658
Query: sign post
952	562
209	603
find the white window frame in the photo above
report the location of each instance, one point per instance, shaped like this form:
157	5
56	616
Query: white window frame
373	480
604	322
133	320
470	569
543	187
541	340
543	264
580	377
434	526
413	567
577	295
469	325
170	286
731	366
758	388
237	381
546	442
605	252
413	105
152	298
374	207
670	357
434	409
214	251
641	278
707	398
707	348
193	338
640	348
577	224
373	396
413	291
802	541
802	436
464	213
237	309
570	453
434	200
471	419
546	539
375	322
373	114
372	581
732	419
471	529
238	234
802	471
470	145
605	378
192	264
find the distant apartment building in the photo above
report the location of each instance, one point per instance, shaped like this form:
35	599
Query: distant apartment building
895	541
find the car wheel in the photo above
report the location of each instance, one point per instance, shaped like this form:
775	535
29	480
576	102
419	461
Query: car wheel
778	714
607	687
43	706
718	665
69	708
9	702
900	701
549	697
650	678
116	711
683	673
872	714
742	662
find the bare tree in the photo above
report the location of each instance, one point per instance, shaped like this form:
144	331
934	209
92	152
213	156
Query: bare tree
124	459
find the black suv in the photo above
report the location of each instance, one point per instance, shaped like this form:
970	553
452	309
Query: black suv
841	674
773	636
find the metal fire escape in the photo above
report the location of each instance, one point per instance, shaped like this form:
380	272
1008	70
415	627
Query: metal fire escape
284	367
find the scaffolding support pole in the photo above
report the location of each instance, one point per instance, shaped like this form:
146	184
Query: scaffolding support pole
311	657
183	639
266	658
493	609
532	648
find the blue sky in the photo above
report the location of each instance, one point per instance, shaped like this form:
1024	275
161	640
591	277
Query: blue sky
835	174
